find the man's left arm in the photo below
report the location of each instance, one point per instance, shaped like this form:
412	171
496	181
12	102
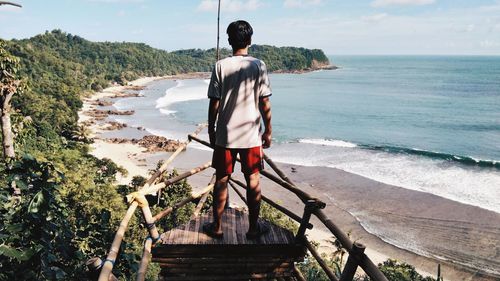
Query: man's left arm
213	109
265	112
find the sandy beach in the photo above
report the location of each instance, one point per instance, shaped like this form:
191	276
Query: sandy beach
445	230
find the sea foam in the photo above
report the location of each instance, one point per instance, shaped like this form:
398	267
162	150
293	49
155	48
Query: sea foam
337	143
476	186
184	90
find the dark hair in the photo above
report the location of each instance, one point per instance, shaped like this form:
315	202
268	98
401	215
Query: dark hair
240	34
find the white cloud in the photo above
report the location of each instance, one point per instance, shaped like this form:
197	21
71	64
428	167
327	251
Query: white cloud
381	3
374	18
489	44
300	3
491	8
121	13
230	5
469	28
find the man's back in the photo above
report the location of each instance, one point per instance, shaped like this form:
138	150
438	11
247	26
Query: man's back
239	82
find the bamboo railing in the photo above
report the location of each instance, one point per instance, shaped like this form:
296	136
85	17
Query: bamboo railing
312	206
138	199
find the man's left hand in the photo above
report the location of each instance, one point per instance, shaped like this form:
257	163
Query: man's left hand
266	139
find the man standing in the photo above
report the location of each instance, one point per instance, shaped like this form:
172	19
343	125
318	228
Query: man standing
239	94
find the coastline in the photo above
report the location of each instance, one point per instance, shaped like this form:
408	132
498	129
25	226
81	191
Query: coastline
352	193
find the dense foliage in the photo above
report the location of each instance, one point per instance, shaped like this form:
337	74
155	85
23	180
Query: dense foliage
68	206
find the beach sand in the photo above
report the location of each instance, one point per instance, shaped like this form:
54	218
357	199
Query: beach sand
442	227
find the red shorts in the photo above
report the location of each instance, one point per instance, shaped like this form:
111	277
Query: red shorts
224	158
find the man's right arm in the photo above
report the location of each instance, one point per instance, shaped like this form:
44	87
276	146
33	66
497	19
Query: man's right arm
213	109
265	112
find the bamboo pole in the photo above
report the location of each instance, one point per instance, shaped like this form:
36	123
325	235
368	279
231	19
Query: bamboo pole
183	202
368	266
276	169
298	275
115	246
155	188
238	192
203	199
352	262
280	208
218	31
94	266
146	256
320	261
148	219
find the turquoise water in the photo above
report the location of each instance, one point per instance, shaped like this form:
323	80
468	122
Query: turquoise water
428	123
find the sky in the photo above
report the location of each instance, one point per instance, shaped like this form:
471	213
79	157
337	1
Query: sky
339	27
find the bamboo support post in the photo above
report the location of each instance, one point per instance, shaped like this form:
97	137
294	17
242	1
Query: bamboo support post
320	261
311	206
298	275
339	234
148	219
368	266
238	192
352	262
203	199
107	267
182	202
439	278
94	266
280	208
146	256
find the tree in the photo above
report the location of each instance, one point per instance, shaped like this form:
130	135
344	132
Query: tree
8	87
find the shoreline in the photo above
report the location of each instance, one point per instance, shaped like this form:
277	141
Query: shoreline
315	180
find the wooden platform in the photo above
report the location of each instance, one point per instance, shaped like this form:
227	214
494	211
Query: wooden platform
186	253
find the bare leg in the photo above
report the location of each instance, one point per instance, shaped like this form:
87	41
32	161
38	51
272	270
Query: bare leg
253	199
220	197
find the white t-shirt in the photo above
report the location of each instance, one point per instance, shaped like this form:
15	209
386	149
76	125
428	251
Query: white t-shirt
239	82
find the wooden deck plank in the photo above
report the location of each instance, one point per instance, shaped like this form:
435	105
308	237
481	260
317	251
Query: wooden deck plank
197	229
235	229
228	228
202	237
164	237
235	225
239	233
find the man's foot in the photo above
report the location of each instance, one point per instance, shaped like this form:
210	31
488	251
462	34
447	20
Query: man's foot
262	228
209	229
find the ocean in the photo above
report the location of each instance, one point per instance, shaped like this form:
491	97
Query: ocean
426	123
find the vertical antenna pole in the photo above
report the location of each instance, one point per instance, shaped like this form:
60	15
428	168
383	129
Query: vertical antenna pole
218	28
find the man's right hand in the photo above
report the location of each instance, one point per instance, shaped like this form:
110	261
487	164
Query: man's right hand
266	139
